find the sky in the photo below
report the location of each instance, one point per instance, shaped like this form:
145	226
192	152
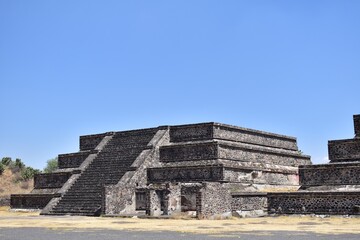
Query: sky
71	68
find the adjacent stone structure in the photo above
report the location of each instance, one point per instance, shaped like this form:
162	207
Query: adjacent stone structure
207	169
332	188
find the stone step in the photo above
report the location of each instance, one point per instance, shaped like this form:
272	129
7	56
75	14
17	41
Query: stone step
212	150
110	164
211	130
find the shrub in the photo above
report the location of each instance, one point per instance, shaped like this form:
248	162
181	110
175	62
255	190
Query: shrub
51	165
28	173
19	163
2	168
6	161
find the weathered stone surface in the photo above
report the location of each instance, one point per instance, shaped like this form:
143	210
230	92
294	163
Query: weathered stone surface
314	202
30	201
251	136
72	160
191	132
344	150
327	188
208	131
90	142
168	169
51	180
330	174
185	174
213	200
248	201
245	152
188	197
231	151
259	177
188	152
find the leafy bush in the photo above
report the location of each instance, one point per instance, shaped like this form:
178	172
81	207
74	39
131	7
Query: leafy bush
6	161
19	163
28	173
2	168
51	165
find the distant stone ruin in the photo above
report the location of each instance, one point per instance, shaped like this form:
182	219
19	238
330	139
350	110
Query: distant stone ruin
205	169
332	188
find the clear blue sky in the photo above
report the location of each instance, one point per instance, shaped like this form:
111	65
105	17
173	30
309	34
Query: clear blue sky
70	68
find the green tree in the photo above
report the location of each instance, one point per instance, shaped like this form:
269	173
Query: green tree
6	161
19	163
51	165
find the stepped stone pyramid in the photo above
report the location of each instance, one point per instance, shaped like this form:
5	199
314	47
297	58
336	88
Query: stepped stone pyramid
332	188
206	168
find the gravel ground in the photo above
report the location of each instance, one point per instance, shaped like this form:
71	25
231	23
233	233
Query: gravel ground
105	234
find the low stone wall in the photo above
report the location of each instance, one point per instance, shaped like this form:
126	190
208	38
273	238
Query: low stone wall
248	201
244	152
189	152
73	160
51	180
90	142
31	201
314	203
330	174
185	174
191	132
344	150
207	131
230	151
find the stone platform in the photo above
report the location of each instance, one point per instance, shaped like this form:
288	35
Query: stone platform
332	188
209	168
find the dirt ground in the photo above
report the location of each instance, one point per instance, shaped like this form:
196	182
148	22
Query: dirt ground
11	184
325	225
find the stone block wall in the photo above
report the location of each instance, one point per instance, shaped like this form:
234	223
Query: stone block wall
188	197
260	177
191	132
329	174
153	203
73	160
189	152
208	131
263	155
118	199
240	152
163	199
32	201
314	202
51	180
344	150
245	135
90	142
248	201
213	199
185	174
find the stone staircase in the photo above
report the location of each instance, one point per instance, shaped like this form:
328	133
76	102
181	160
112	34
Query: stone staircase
85	197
